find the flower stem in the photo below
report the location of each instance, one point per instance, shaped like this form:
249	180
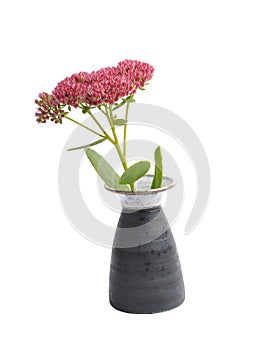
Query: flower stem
125	128
117	146
101	128
122	158
84	126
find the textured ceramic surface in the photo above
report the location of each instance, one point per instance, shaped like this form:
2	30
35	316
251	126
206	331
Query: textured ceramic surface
146	278
143	197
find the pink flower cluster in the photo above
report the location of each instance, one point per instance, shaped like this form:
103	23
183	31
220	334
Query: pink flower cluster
138	72
105	86
108	85
49	109
71	90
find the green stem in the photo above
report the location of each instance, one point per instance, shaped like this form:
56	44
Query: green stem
101	110
100	126
117	146
123	160
125	129
106	113
84	126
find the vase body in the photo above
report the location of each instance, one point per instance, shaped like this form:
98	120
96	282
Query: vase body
145	271
146	278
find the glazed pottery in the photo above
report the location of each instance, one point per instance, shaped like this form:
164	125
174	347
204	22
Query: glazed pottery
145	271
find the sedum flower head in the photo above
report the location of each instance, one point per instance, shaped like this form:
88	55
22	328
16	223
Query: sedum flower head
138	72
108	85
49	108
105	86
71	91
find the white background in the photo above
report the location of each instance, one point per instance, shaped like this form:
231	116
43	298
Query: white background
211	60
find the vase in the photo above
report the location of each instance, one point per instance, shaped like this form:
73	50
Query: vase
145	272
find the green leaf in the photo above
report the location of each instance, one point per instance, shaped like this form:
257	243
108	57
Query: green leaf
85	109
158	172
105	170
118	105
135	172
130	98
96	142
119	122
89	145
124	100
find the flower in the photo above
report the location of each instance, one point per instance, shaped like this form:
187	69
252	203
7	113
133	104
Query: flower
107	89
105	86
138	72
49	108
71	91
108	85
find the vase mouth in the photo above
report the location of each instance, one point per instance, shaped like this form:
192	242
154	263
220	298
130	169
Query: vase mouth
144	182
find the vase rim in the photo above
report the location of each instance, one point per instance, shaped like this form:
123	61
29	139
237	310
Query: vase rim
170	184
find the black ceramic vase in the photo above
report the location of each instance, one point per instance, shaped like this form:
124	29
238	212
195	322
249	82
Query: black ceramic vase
145	272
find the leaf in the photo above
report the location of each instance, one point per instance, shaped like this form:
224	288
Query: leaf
158	172
119	122
135	172
124	100
96	142
85	109
89	145
130	98
118	105
105	170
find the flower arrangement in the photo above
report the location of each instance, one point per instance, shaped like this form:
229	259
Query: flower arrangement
105	90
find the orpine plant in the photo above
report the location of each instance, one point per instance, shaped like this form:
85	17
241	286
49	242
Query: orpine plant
105	90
